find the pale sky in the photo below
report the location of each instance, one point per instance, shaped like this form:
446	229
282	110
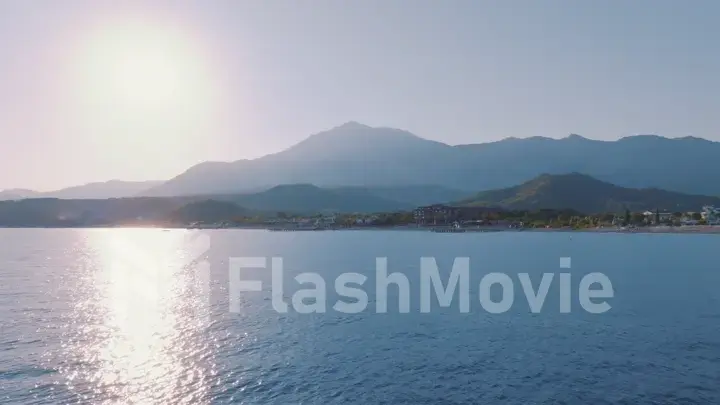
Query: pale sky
137	90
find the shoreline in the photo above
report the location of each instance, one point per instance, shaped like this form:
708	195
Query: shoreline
690	229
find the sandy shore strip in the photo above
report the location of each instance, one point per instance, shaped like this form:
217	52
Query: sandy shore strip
697	229
708	229
690	229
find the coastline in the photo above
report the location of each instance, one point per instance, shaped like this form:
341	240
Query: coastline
689	229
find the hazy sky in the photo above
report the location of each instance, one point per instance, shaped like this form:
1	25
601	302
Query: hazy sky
91	91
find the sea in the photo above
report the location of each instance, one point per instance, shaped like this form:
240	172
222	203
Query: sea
153	316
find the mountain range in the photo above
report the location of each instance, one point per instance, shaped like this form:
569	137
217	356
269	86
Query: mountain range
577	192
359	156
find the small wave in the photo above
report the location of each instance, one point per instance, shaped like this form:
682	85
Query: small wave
26	372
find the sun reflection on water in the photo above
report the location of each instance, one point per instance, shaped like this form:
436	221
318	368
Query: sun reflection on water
146	344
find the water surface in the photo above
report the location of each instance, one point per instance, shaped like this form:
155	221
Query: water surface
123	316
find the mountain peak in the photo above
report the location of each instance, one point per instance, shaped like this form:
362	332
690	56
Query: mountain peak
353	125
355	142
642	137
569	176
576	137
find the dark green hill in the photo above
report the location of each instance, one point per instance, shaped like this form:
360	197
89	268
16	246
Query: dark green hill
307	198
414	195
207	211
586	194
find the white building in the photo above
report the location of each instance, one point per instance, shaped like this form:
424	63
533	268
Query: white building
711	215
325	220
650	217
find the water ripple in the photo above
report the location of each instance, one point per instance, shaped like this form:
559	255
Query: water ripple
114	317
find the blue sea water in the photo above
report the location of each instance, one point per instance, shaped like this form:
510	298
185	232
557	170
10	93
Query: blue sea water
124	316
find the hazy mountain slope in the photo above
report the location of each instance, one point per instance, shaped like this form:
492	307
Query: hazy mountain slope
107	189
415	195
17	194
639	161
354	142
358	155
586	194
349	155
306	198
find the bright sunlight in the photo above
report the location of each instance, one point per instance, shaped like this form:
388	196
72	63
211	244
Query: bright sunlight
143	66
140	85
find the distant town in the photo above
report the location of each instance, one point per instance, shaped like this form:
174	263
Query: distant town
446	218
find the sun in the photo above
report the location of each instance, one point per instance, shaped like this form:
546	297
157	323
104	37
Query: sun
144	75
140	66
135	88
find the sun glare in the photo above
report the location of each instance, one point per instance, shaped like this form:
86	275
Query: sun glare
148	77
137	85
142	66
